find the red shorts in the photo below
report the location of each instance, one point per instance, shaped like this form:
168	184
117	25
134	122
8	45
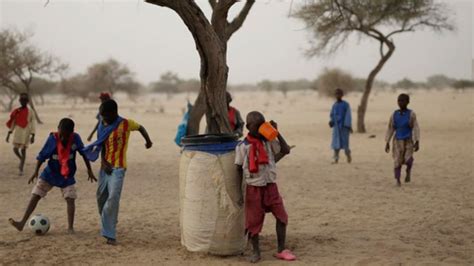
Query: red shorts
260	200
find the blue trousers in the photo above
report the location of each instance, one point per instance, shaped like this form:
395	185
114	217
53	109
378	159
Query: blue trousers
108	200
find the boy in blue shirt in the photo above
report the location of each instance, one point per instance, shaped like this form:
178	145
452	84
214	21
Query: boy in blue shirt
403	126
60	151
341	124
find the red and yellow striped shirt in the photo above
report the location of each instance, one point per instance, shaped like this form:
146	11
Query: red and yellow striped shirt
116	144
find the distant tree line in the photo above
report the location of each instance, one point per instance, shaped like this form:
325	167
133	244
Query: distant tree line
331	79
24	68
20	63
110	76
170	83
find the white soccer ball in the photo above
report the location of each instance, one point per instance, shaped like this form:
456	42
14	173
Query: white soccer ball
39	224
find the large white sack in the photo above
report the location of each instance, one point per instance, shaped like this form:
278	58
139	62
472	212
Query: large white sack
211	219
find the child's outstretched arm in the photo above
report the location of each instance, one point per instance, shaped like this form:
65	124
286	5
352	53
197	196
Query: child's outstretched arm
145	135
239	161
8	136
36	172
389	134
416	131
240	178
91	177
285	148
93	131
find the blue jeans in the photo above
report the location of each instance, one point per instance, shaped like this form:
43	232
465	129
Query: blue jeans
108	199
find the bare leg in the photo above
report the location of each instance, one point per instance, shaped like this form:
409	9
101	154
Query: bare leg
29	210
17	153
281	235
409	166
336	156
255	257
71	209
398	173
348	155
22	160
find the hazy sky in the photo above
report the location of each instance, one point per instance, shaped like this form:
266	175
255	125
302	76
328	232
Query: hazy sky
270	45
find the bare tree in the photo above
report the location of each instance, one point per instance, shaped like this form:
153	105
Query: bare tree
331	79
20	62
75	87
40	87
11	97
111	76
169	83
333	21
211	37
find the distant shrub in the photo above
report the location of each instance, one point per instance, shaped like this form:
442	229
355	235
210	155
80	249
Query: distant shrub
331	79
406	84
439	82
284	86
170	83
463	84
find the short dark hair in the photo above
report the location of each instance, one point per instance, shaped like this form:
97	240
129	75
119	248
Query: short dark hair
109	106
255	116
404	95
228	96
339	90
66	124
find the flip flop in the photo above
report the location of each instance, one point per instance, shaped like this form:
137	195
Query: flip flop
285	255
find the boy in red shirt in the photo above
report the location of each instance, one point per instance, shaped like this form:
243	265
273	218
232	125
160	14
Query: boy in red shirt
22	125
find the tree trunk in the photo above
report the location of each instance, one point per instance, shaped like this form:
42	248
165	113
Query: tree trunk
12	96
214	70
211	43
196	114
4	105
362	108
32	101
209	100
32	105
41	99
12	100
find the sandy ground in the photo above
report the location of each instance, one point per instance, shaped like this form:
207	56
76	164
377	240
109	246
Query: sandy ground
339	214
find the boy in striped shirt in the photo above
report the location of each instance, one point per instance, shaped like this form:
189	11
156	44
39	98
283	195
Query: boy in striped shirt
113	135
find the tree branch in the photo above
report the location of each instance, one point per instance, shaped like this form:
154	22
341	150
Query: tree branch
213	4
239	19
166	3
381	49
219	18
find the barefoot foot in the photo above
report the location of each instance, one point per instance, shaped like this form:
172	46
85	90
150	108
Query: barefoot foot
254	258
18	225
408	178
111	241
